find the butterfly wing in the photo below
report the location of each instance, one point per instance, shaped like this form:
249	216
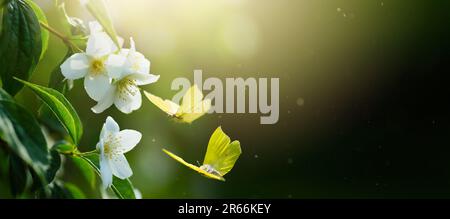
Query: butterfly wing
202	108
195	168
221	154
167	106
193	106
191	99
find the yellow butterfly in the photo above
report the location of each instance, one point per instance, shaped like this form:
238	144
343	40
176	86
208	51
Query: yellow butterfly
220	157
192	106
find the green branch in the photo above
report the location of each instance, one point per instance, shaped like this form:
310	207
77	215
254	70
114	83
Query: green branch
65	39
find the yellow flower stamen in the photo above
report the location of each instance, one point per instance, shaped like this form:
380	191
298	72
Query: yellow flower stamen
126	86
97	67
110	147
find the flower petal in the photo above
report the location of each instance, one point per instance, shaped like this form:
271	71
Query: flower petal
95	27
120	166
128	99
105	171
124	52
99	145
112	125
141	65
105	102
115	65
76	66
97	85
144	66
137	63
100	44
121	41
128	139
132	44
143	79
109	127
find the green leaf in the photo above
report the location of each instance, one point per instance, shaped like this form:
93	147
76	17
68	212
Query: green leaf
4	159
48	118
64	147
74	191
4	96
20	44
23	135
61	107
98	9
61	190
50	173
122	188
57	82
43	19
17	175
86	170
55	164
53	191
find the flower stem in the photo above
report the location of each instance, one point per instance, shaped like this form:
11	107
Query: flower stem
87	153
61	36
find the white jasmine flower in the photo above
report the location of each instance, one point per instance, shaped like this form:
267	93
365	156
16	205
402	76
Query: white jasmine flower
93	64
135	62
112	146
124	93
